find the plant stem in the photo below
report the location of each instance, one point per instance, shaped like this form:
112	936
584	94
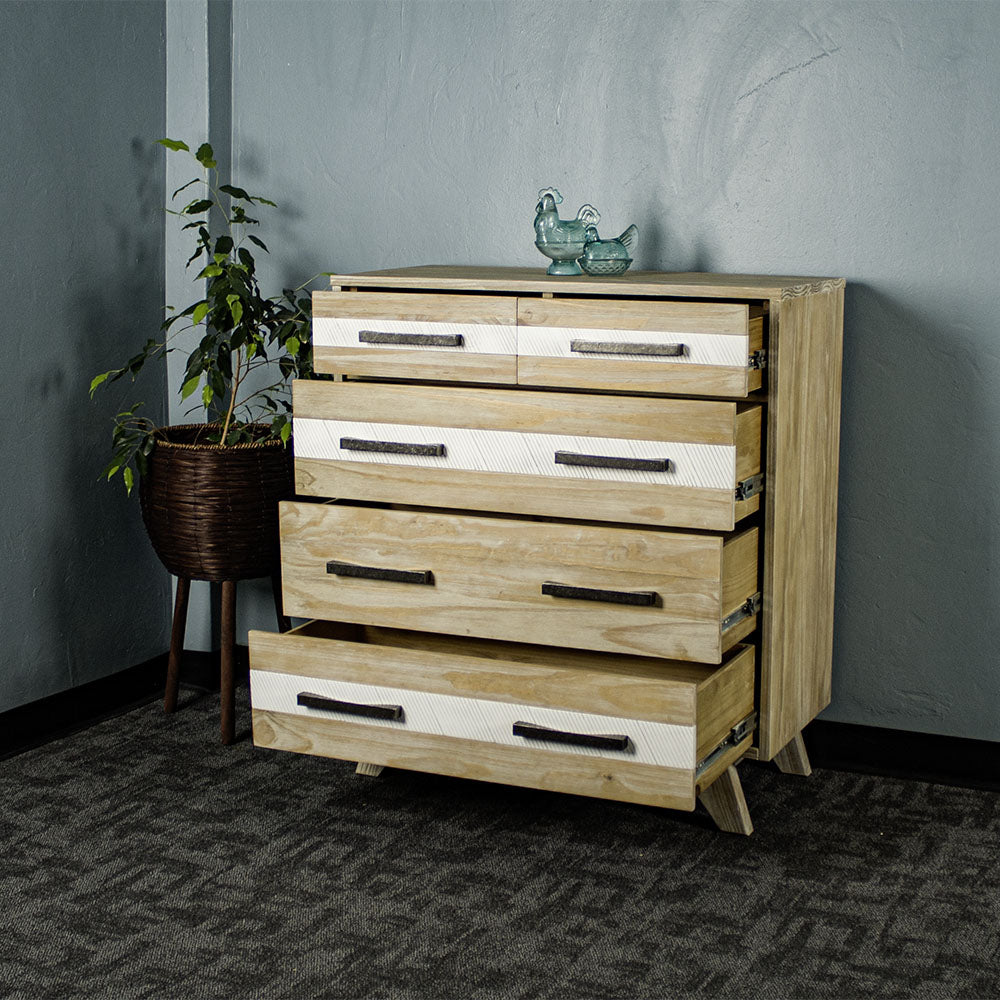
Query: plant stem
234	387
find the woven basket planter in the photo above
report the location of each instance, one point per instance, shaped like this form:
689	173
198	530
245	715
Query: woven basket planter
212	512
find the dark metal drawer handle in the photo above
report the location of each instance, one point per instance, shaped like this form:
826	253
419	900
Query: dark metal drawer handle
417	339
611	462
602	742
350	707
640	598
394	447
613	347
337	568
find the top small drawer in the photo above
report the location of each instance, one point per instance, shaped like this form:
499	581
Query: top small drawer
468	338
636	345
628	345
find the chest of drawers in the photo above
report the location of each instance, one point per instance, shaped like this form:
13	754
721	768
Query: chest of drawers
576	534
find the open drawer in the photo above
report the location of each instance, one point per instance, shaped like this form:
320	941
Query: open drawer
641	345
640	591
688	463
416	336
636	729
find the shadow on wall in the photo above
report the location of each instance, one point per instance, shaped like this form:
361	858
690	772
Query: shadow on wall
917	622
111	584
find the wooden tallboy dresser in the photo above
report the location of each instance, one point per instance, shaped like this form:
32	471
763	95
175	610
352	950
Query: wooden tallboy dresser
576	534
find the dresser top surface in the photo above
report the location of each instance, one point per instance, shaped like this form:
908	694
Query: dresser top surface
440	277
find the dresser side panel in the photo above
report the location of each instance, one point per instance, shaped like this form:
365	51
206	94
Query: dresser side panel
803	442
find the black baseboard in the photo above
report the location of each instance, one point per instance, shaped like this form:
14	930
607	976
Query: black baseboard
942	760
66	712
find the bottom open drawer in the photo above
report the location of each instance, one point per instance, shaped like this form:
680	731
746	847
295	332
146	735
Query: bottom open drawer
636	729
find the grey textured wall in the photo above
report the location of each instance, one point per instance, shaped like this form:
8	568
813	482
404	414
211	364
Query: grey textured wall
81	267
850	139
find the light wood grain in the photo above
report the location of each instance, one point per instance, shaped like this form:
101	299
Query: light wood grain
444	277
539	413
793	758
693	421
632	503
647	688
526	766
632	376
488	574
724	699
739	570
800	505
726	803
722	318
426	307
413	362
369	770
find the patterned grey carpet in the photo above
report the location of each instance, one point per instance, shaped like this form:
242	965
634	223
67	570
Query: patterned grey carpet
142	859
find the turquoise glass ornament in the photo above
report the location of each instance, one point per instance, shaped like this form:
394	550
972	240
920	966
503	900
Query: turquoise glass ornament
562	240
607	257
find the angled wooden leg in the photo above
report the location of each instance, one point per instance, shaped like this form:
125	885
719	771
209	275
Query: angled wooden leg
284	622
726	805
793	759
372	770
176	644
227	688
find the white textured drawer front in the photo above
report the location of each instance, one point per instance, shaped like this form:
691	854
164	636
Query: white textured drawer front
695	348
484	721
677	462
475	450
416	335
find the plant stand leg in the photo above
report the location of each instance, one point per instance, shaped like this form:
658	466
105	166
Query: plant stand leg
284	622
726	805
372	770
227	690
793	759
176	644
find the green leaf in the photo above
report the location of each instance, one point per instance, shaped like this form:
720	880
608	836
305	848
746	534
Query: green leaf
97	380
206	156
199	206
286	432
292	345
260	243
236	192
264	201
200	312
224	246
189	386
235	307
207	396
129	478
174	144
194	180
210	271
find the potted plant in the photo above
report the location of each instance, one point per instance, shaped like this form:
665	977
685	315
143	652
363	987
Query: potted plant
209	490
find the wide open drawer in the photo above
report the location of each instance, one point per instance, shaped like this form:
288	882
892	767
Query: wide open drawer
697	348
620	590
415	336
681	462
635	729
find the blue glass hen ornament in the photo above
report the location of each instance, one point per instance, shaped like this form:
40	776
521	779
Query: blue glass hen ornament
573	245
